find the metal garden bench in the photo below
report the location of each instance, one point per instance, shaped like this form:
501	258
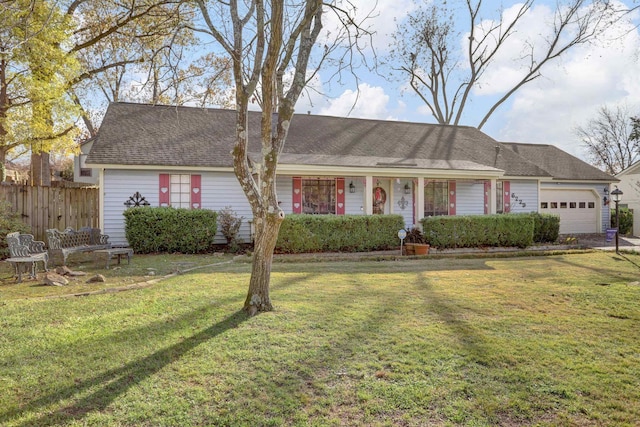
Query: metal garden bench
25	252
71	241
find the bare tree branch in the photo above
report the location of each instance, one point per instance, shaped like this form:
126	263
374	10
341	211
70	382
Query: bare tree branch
427	53
611	139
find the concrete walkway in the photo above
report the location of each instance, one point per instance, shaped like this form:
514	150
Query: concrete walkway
624	244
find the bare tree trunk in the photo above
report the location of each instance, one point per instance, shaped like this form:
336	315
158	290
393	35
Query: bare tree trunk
258	298
40	169
280	38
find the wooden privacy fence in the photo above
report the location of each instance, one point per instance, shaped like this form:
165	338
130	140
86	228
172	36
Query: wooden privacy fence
53	207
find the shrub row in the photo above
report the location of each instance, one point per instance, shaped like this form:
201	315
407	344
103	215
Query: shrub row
625	218
343	233
152	229
475	231
546	227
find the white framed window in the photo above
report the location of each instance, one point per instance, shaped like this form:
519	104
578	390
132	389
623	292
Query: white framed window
180	191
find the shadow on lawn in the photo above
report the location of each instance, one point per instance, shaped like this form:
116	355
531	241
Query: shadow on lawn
612	271
103	389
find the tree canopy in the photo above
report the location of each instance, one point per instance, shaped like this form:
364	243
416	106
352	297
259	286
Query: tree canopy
35	113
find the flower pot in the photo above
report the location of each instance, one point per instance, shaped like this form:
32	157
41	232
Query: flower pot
416	249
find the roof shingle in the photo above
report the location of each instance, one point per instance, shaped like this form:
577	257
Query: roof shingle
143	134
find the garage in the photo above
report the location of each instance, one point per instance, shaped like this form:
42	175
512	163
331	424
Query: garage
578	209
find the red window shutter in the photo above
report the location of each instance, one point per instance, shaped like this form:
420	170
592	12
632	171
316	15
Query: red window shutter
506	188
487	189
340	196
297	194
196	191
164	190
452	197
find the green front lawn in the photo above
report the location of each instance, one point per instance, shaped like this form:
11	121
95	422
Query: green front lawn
515	341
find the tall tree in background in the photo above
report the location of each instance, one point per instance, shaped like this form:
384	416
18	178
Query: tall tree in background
612	139
427	48
113	41
112	38
144	52
270	44
35	114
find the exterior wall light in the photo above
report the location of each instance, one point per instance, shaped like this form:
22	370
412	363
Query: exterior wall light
352	187
407	189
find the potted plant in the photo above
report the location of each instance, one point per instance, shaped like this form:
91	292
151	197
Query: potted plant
415	242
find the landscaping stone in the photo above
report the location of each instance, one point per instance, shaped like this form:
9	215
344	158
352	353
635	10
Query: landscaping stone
66	271
98	278
54	279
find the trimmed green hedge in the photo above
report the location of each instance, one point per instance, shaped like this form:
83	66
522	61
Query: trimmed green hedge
546	227
338	233
626	220
152	229
475	231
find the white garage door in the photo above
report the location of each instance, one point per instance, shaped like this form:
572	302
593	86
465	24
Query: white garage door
578	209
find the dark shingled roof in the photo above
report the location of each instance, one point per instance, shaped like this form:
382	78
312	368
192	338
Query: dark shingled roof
143	134
559	164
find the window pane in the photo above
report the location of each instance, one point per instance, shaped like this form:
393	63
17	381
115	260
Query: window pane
499	197
436	198
180	189
318	196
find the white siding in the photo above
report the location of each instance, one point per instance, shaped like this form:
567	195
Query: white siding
118	187
469	197
284	188
402	204
218	191
354	202
524	196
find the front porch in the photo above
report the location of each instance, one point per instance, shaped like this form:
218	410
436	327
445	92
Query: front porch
411	197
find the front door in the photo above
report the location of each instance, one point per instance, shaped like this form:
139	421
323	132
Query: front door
381	197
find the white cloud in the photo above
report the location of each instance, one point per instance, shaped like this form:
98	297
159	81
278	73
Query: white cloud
367	102
570	94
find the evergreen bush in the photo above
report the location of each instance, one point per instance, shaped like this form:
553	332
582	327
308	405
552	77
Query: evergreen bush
625	218
338	233
153	229
474	231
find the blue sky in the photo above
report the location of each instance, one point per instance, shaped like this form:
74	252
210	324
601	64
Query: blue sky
569	93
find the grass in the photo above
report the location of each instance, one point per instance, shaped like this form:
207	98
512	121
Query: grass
506	341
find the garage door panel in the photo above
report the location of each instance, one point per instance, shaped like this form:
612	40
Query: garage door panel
578	209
